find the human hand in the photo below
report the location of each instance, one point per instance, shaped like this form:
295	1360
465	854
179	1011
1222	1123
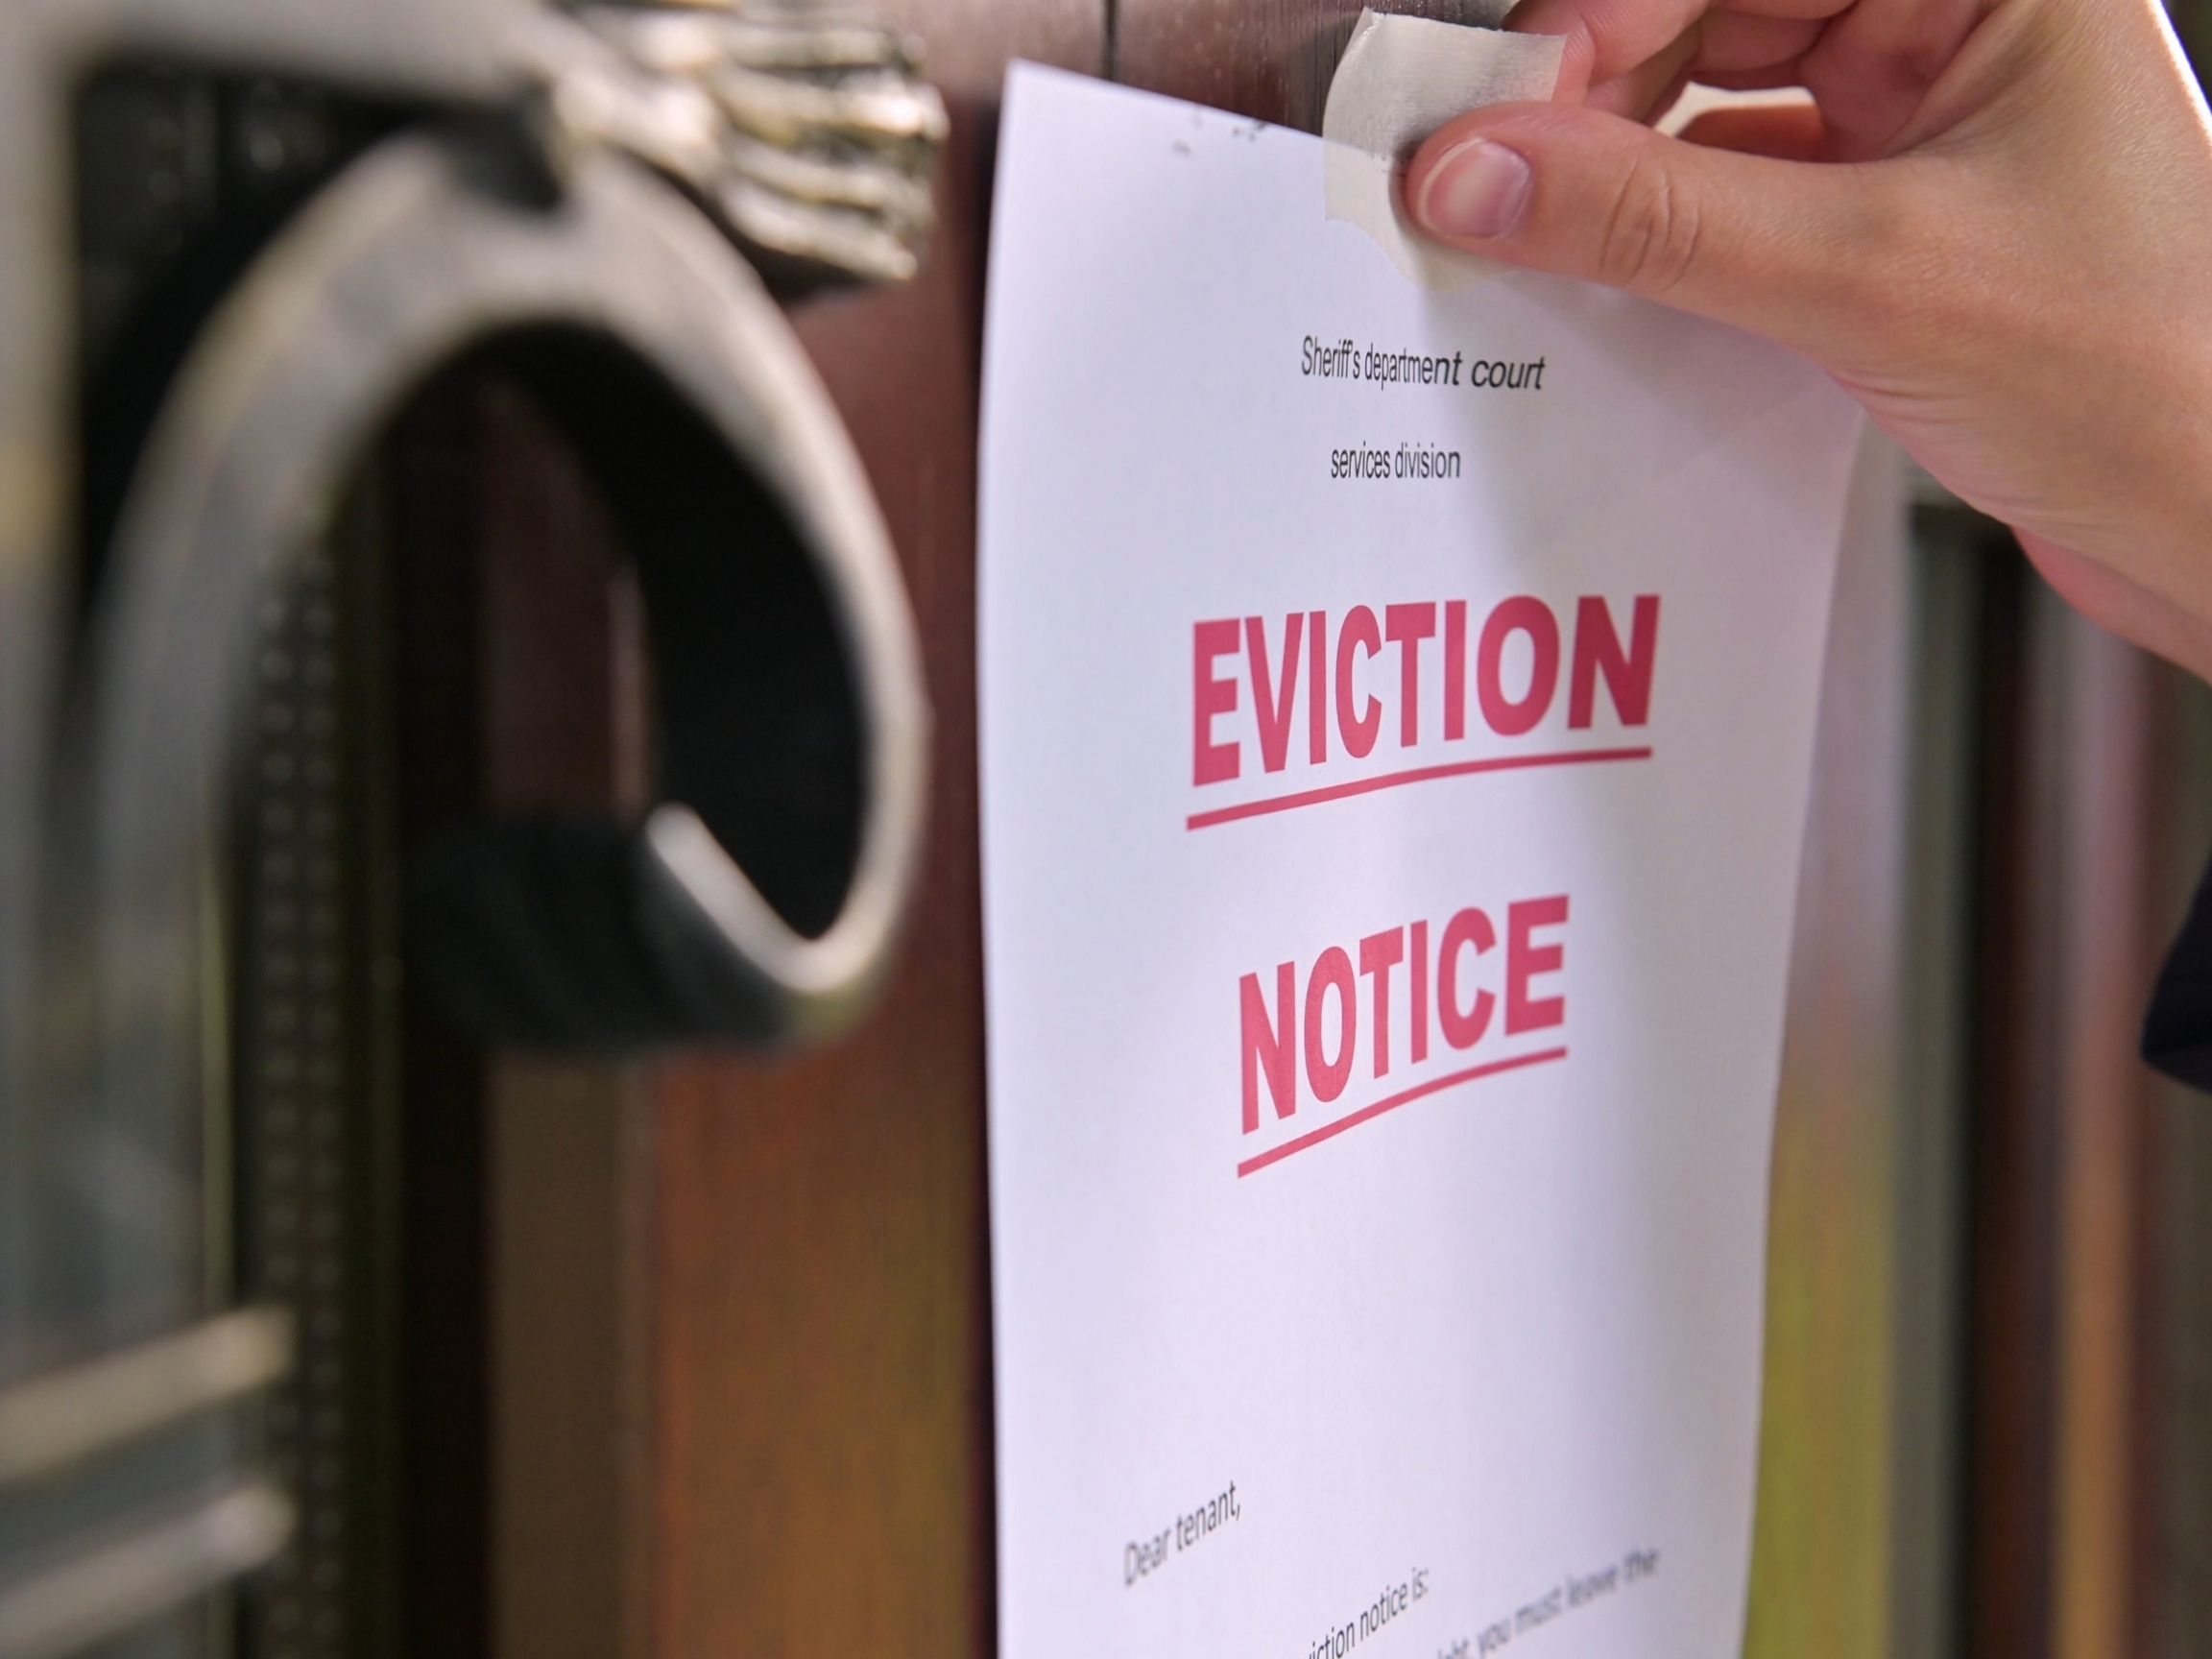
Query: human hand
1993	225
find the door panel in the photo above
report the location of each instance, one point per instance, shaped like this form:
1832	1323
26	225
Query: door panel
694	1360
822	1278
820	1268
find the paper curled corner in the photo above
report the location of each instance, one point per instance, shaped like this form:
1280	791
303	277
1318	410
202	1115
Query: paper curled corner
1401	79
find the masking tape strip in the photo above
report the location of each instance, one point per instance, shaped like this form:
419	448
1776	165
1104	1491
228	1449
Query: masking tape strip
1401	79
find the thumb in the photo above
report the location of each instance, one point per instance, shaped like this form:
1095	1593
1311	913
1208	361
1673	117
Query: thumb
1784	249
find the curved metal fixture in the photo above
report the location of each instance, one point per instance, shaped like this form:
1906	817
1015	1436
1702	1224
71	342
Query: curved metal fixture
563	933
582	222
808	136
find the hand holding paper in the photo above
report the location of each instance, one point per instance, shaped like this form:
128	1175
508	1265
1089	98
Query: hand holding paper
1992	226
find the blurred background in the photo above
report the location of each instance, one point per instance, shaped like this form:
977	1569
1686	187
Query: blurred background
385	1270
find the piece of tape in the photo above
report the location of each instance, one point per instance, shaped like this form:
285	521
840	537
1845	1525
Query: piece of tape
1401	79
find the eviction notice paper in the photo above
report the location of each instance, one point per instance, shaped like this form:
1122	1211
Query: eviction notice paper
1397	711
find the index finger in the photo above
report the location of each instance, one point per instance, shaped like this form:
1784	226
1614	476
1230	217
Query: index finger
1609	37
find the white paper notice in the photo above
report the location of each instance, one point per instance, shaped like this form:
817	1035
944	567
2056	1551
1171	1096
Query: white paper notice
1397	716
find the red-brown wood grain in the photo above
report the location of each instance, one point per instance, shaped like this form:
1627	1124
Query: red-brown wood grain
517	1528
1271	60
821	1269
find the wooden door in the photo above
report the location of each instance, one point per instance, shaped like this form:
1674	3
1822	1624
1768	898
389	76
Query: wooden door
821	1444
818	1249
694	1360
735	1394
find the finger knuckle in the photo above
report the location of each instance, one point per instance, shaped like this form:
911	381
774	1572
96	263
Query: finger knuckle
1653	232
